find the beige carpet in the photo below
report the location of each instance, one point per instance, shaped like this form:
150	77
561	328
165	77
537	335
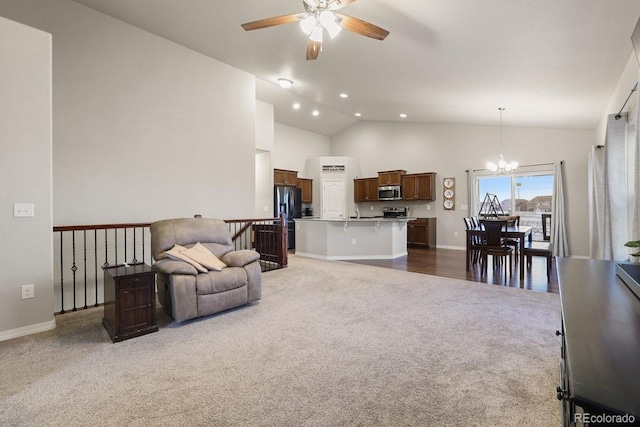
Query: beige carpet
330	344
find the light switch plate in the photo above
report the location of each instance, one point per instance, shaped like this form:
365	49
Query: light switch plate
23	210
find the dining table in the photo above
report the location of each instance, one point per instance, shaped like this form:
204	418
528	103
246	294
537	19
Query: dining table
520	232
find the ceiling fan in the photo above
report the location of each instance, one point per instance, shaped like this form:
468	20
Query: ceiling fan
320	16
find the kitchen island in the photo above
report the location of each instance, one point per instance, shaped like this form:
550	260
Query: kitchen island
352	239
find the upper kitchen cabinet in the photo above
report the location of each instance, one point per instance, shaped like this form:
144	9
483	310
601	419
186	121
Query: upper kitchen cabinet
391	177
285	177
306	187
365	190
419	186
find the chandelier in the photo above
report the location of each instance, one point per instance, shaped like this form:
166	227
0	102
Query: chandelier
502	167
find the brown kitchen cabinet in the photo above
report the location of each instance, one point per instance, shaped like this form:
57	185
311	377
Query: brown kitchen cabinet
365	190
419	186
391	177
285	177
129	301
306	187
421	233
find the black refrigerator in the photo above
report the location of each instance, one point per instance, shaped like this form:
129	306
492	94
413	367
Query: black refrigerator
288	200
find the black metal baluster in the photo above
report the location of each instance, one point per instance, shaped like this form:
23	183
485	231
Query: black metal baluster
134	260
125	245
73	267
61	277
84	234
95	261
115	233
106	251
143	231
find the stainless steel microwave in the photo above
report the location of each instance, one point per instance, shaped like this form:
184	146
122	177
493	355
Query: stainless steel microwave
390	192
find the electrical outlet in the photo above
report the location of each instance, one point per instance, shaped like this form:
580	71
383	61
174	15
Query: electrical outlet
28	291
455	234
353	241
428	207
266	208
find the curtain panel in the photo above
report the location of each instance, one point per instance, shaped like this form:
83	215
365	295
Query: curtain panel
608	210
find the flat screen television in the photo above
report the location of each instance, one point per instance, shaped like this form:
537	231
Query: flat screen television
635	39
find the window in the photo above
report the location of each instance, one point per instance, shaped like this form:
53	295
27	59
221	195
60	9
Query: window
526	193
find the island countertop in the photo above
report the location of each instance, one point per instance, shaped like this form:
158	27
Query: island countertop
352	238
361	219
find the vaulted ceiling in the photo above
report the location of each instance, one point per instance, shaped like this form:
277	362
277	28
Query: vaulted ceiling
550	63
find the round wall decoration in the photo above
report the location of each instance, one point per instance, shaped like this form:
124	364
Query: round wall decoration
449	193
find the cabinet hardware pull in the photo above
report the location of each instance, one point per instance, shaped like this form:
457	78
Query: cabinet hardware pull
559	333
561	394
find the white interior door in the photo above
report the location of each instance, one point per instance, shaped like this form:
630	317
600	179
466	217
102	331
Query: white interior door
333	199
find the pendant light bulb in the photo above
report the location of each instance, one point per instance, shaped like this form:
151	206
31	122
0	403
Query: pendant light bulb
316	34
308	24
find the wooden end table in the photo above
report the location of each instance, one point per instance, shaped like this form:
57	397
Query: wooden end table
129	301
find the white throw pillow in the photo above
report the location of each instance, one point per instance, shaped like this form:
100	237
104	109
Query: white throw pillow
205	257
176	253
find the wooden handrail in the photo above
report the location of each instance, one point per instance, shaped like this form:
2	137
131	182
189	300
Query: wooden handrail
100	226
137	225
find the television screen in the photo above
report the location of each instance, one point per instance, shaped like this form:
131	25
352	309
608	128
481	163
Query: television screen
635	39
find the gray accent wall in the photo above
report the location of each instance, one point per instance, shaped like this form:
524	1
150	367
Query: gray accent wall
143	129
25	174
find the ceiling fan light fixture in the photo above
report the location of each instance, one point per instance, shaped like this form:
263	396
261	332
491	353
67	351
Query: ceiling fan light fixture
333	29
308	24
330	23
316	34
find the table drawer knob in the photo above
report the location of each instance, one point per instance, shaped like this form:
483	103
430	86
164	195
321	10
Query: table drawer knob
561	394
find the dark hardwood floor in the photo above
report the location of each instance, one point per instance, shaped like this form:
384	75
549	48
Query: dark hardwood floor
451	263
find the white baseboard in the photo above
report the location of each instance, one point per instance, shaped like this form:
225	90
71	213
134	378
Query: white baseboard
28	330
457	248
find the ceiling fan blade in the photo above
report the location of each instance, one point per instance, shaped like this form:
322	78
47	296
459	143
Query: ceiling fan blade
361	27
339	4
270	22
313	49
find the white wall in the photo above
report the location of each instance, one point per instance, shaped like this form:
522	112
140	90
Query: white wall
628	79
293	146
264	172
144	129
25	171
450	150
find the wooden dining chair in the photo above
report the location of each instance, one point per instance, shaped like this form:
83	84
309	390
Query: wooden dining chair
494	245
513	241
543	249
475	240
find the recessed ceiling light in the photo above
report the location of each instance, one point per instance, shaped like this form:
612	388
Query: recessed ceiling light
284	83
358	115
403	115
344	95
315	113
296	105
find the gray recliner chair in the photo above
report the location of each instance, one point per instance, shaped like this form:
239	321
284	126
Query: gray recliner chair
186	293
